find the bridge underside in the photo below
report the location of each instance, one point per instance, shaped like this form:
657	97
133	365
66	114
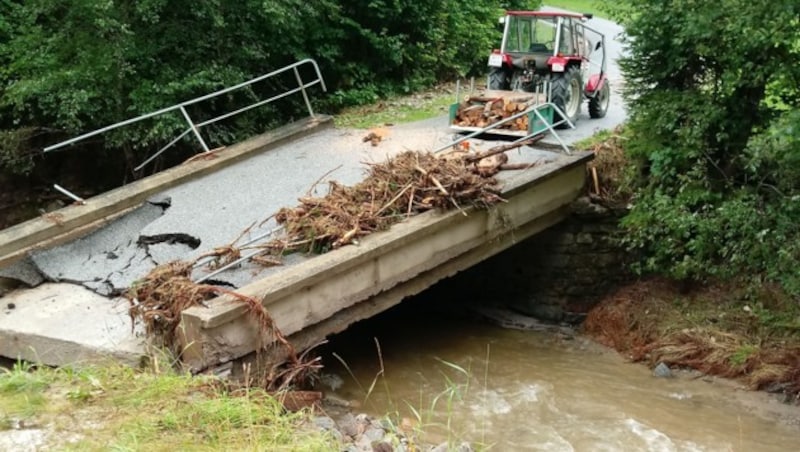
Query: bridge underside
327	293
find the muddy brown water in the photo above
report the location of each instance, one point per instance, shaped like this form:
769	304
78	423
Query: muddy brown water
525	390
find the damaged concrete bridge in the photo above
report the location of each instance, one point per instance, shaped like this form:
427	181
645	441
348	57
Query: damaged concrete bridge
62	273
74	269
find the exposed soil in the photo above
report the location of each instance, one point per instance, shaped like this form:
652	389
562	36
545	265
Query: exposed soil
724	330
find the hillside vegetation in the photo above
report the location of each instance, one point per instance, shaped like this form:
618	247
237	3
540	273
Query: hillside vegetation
70	66
714	104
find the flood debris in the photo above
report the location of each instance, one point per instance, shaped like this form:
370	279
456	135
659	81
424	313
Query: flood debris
226	254
376	135
158	299
406	185
607	170
706	330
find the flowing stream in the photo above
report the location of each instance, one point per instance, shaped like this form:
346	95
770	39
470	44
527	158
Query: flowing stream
526	390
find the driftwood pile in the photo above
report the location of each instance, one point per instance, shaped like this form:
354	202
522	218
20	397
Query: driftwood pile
406	185
484	110
158	299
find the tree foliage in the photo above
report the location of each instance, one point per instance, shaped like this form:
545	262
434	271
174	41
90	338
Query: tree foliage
68	66
714	102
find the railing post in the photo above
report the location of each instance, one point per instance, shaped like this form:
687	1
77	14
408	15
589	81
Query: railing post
303	89
194	129
551	128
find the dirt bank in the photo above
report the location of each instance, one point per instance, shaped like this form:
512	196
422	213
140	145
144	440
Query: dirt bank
726	330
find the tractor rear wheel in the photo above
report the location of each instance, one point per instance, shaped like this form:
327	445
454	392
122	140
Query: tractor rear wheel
498	79
566	95
598	105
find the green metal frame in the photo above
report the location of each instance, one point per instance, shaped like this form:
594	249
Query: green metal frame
535	125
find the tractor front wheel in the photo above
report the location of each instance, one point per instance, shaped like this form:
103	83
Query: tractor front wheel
566	95
598	105
498	79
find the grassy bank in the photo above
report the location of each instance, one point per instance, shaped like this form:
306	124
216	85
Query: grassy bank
399	109
118	408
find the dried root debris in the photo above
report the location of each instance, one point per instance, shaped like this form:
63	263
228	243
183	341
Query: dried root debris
158	299
409	184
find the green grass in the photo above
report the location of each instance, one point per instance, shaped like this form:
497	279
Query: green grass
742	354
119	408
590	142
21	394
578	6
396	110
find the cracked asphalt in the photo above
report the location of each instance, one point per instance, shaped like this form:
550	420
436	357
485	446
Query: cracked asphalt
211	211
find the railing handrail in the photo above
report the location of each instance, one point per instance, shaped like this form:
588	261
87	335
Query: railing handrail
194	127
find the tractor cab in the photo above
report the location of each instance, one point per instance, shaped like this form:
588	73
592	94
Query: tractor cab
548	63
535	39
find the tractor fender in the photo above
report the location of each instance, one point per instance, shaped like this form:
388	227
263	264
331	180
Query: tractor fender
596	81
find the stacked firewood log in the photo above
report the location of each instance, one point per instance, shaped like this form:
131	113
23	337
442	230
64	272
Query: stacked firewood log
482	111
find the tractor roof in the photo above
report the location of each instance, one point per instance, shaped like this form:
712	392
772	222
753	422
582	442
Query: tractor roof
545	14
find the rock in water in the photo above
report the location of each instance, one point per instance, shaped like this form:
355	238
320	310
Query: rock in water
662	371
324	423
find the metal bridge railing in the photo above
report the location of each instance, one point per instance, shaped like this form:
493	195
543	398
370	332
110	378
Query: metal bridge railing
194	127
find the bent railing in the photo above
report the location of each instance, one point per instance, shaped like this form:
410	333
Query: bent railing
194	127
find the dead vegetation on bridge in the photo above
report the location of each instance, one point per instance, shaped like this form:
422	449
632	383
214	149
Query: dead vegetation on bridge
406	185
158	299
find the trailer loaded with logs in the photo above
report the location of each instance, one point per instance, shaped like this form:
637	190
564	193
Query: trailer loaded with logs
491	107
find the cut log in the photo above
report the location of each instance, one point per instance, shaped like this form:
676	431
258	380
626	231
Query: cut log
502	148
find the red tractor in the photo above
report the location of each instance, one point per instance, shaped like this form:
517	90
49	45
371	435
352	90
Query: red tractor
554	53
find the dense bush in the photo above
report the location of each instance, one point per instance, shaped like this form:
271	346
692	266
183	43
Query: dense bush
67	66
713	95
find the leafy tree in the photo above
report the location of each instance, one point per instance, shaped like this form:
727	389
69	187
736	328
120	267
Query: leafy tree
68	66
713	92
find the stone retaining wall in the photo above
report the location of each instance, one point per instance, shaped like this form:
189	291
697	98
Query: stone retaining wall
560	273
